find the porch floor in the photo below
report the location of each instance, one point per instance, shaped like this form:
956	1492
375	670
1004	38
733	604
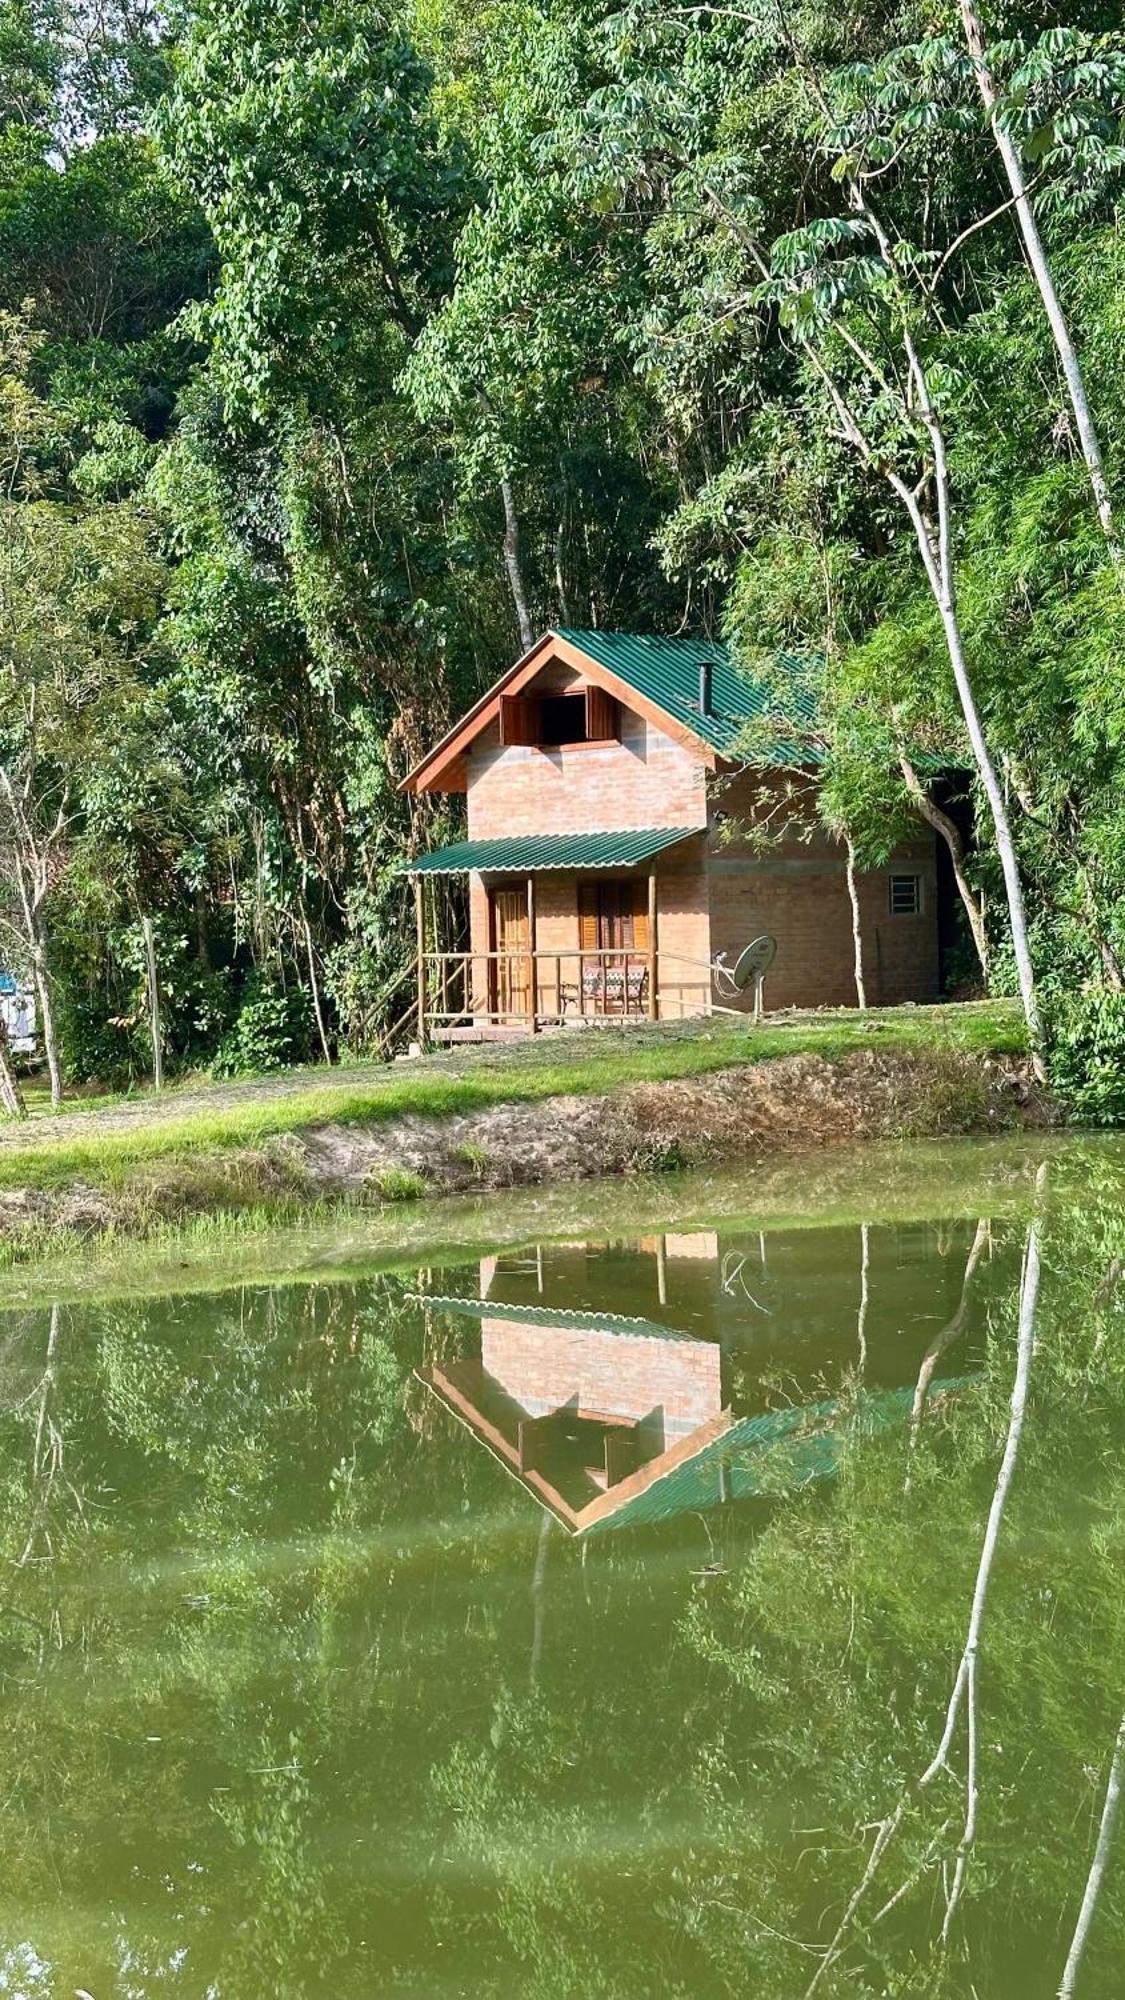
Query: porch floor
519	1031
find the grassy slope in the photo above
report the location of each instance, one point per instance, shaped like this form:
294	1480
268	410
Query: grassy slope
105	1142
915	1181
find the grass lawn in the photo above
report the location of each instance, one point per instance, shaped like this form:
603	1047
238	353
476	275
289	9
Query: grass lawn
101	1140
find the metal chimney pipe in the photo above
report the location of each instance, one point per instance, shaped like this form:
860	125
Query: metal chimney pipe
704	687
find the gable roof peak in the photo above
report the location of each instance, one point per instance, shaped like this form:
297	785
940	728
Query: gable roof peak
662	672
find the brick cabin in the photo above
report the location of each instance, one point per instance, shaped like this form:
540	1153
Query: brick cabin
587	1409
632	1380
602	789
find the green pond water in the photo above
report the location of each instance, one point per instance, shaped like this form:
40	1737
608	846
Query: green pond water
552	1595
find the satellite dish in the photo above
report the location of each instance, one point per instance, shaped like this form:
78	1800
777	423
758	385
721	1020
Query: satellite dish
752	965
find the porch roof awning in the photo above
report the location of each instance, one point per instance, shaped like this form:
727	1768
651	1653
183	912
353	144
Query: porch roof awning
529	853
573	1320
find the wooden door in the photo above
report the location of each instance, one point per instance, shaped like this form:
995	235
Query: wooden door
511	985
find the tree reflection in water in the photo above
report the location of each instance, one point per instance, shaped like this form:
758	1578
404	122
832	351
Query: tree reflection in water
302	1693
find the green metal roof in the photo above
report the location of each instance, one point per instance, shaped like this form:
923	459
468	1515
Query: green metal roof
666	671
762	1457
551	1316
527	854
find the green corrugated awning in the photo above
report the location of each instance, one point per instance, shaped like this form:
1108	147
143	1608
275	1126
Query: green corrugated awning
529	853
550	1316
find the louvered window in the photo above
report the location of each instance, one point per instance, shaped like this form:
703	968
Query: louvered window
613	916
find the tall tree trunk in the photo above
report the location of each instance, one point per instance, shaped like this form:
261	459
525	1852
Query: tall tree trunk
1041	271
965	1684
857	929
47	1023
934	547
1111	964
513	566
11	1096
314	984
31	880
1002	828
951	834
560	571
539	1596
864	1302
154	1022
950	1332
1097	1866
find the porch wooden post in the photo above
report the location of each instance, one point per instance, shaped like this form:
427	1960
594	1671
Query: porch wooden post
420	921
532	993
653	1002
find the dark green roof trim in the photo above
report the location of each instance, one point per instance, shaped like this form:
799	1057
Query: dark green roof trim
597	1322
527	854
666	671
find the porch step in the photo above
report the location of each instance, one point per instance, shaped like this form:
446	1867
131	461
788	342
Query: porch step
516	1031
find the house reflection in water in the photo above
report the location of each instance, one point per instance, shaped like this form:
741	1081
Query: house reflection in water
607	1416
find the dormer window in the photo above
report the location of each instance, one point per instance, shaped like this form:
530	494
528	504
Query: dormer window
553	721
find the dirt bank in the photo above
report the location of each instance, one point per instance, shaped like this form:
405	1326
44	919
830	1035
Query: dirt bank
793	1102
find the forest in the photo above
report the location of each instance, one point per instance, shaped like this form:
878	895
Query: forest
344	348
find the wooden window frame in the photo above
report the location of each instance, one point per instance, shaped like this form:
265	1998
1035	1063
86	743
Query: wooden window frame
521	719
590	912
914	876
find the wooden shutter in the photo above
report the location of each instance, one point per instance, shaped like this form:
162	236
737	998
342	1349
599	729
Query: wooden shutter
640	916
603	719
519	719
587	916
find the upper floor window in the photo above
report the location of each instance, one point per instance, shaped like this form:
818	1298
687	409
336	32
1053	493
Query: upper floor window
550	721
562	719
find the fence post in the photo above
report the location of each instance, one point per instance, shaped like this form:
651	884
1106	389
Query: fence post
420	922
153	1005
653	1004
532	982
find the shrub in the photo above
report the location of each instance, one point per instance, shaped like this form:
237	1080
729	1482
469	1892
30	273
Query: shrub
271	1031
397	1183
1086	1054
96	1050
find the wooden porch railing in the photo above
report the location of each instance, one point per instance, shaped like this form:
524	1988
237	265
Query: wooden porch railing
536	989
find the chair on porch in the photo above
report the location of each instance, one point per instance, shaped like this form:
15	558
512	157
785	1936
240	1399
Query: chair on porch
609	989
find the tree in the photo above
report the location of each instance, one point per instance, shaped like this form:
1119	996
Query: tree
78	586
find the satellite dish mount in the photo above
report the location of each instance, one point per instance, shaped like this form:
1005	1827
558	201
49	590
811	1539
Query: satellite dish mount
748	970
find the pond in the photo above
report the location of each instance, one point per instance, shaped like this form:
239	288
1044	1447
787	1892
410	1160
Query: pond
569	1601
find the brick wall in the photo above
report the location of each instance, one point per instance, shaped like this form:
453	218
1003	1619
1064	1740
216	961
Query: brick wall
796	889
624	1375
683	930
645	780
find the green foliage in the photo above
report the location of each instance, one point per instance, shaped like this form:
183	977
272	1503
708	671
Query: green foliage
397	1184
272	1029
320	299
1087	1050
